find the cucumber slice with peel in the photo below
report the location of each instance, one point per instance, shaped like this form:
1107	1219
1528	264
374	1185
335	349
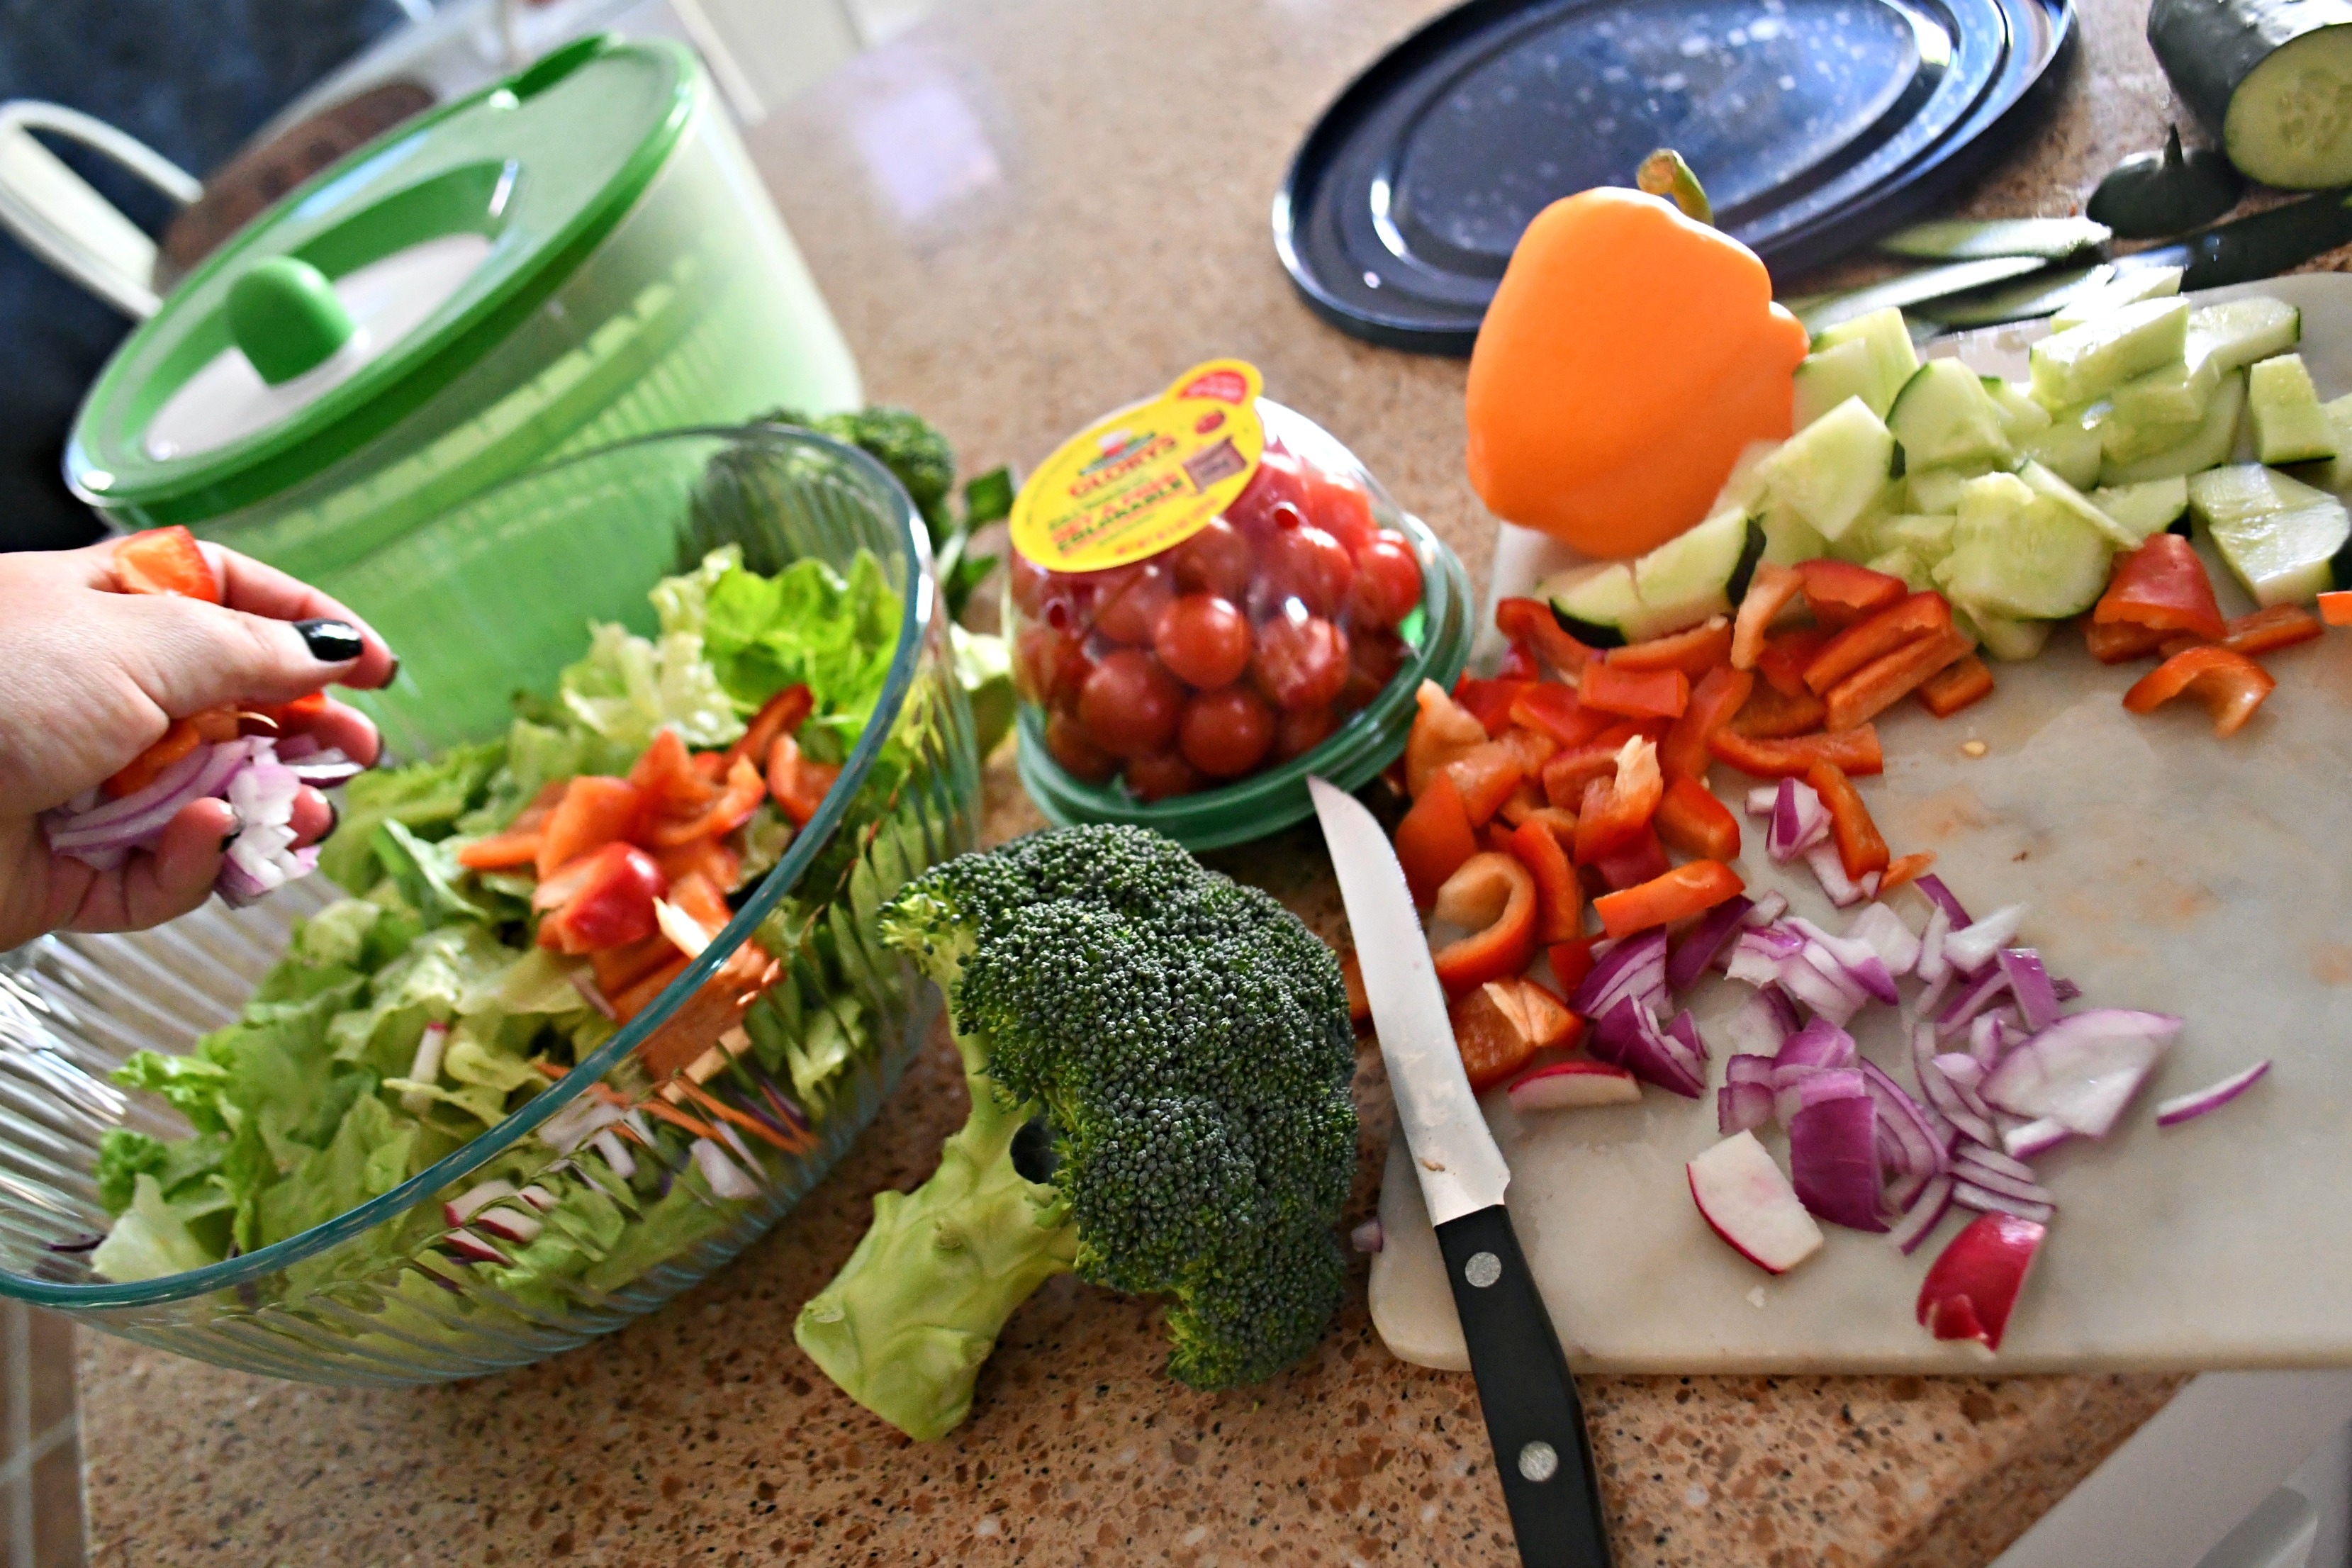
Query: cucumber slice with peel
2277	535
1826	379
2290	427
2145	509
2035	294
2126	289
2212	441
2335	475
1888	337
2017	553
1943	415
1965	240
1821	312
2175	395
1597	604
2088	361
1788	538
1700	573
1830	472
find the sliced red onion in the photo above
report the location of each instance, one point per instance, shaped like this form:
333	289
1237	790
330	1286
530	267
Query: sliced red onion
1368	1237
1760	1023
301	748
2065	989
2037	999
1714	931
1685	1029
1820	1043
1940	1093
1974	998
1633	967
2212	1097
1993	1160
1903	1188
1768	908
1860	962
2039	1137
1799	821
1921	1145
1934	1201
725	1178
2022	1190
1932	887
2083	1069
1933	966
1829	872
1628	1036
262	795
1823	984
1930	997
199	776
1984	1200
1758	953
1762	798
1749	1069
1810	1086
1972	947
1833	1160
1742	1107
608	1143
1988	1038
1961	1071
584	982
171	783
510	1225
1881	930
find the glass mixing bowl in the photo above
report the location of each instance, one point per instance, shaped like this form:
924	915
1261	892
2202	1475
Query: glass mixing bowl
494	596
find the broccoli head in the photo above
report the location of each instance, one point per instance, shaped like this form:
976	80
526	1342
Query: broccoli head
902	441
1183	1041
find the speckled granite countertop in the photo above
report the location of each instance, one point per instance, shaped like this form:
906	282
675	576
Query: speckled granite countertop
1025	213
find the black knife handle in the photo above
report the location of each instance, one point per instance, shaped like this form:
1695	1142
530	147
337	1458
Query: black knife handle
1533	1417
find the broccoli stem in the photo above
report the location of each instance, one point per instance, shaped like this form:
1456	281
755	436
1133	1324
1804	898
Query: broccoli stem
906	1325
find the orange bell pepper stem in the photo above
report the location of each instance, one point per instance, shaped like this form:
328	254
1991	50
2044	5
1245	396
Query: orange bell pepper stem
1686	890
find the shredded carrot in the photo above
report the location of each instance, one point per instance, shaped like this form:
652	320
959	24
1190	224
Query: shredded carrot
678	1118
746	1122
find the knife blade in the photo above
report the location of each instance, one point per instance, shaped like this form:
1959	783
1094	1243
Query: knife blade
1534	1419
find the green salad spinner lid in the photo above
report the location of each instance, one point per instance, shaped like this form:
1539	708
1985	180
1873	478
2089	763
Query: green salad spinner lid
377	284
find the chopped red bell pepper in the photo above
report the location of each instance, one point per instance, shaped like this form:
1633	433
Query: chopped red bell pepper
1856	751
2162	584
628	1004
1686	890
1954	686
1492	1034
1494	897
696	896
1489	699
1773	714
1631	865
282	717
1692	820
1524	802
1442	730
1888	680
2335	608
166	560
1720	693
1636	693
1783	661
1566	774
1771	591
179	738
1841	593
516	844
1617	808
782	714
594	811
729	810
1571	962
1693	652
667	781
1861	848
1559	900
2120	642
1923	614
1553	710
1518	663
799	784
1434	839
2232	685
1486	776
1530	623
618	969
709	857
611	904
1905	868
2267	630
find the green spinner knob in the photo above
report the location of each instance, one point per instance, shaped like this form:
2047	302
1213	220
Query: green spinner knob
284	314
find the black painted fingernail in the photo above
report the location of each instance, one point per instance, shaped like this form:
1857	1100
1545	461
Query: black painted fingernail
334	818
331	642
394	674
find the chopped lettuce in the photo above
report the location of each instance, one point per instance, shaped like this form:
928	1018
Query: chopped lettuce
806	624
628	688
149	1241
423	796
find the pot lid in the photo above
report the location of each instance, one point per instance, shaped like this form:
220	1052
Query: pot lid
1815	125
376	284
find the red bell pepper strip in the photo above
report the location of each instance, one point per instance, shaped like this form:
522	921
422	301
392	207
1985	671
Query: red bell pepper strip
799	784
782	714
618	969
732	807
1553	710
1841	593
1495	896
1617	808
1442	730
667	781
1518	663
1720	693
1692	820
1856	751
166	560
2162	584
612	904
516	844
1489	699
2232	685
1566	774
1954	686
2120	642
1693	652
1524	802
1559	900
1785	658
1905	868
2267	630
1486	776
1530	623
1636	693
280	716
1772	714
1434	839
1571	962
1861	848
628	1004
1491	1033
1686	890
701	902
1631	865
1874	637
2335	608
594	811
707	857
180	738
1771	591
1888	680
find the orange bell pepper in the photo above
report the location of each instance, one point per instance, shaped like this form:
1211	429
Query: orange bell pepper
1772	714
1434	839
1784	662
1492	897
1692	820
2335	608
1856	751
1492	1033
709	858
1841	593
611	904
594	811
1886	680
1534	629
1559	900
1686	890
1954	686
729	810
1875	636
1721	693
1636	693
1490	700
1617	808
1769	591
1442	730
667	781
2162	584
1905	868
164	560
1518	663
1575	343
1693	652
2232	685
517	845
1861	848
1554	710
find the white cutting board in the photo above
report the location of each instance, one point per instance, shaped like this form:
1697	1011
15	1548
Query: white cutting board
2165	869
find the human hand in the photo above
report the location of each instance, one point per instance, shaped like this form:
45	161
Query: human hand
90	677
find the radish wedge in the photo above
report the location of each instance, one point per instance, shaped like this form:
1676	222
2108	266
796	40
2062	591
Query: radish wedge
1746	1200
2212	1097
1565	1085
1974	1282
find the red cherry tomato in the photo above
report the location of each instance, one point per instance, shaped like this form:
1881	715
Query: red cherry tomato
1131	703
1341	507
1374	656
611	905
1033	585
1300	730
1387	584
1309	565
1130	609
1217	560
1226	733
1280	479
1161	774
1049	666
1301	660
1203	640
1067	741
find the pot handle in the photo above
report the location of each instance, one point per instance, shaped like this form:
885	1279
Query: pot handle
67	224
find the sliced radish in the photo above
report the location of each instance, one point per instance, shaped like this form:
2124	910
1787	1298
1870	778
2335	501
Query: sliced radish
1744	1199
474	1200
538	1198
510	1225
617	1154
1565	1085
1974	1282
725	1178
2212	1097
472	1248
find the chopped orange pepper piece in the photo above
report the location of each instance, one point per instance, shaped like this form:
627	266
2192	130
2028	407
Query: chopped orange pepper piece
1692	820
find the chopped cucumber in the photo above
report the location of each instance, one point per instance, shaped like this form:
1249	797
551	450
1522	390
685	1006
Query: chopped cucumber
2122	440
1744	489
2004	637
2175	395
1937	490
2212	441
2290	427
1700	573
1943	414
2068	448
1788	538
2149	283
2144	508
1829	472
1905	565
2277	534
2335	475
2237	332
2094	359
1928	535
1971	239
2067	498
2019	553
1889	337
1821	312
2037	294
1826	379
2019	414
1597	604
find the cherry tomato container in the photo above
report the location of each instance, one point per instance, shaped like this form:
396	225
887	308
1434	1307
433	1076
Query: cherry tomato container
1194	689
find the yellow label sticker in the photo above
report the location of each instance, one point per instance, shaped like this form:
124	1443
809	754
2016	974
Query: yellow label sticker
1145	478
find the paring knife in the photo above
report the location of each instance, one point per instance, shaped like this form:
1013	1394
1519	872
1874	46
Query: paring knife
1533	1417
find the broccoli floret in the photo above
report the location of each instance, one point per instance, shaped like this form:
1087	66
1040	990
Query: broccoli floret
1185	1041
